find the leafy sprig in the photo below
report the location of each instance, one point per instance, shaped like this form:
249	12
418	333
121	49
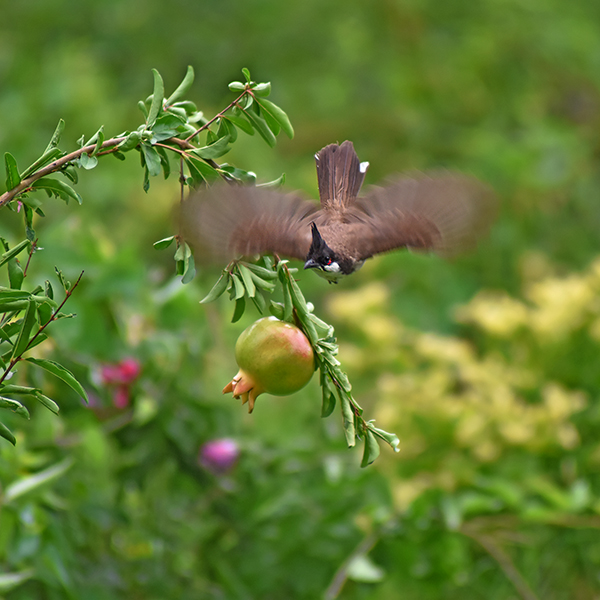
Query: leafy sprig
251	282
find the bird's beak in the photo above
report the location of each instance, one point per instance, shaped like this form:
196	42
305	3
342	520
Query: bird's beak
311	264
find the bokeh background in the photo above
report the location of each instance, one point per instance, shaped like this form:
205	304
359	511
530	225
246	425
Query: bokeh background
486	366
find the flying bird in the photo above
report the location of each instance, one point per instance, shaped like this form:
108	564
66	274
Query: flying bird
443	212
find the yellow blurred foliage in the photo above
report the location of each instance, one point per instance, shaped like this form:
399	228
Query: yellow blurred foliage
469	404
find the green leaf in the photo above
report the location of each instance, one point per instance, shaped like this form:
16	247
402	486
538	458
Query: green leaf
238	174
98	139
6	433
60	372
240	290
88	162
15	406
259	302
389	438
241	123
164	243
247	279
348	422
261	271
271	122
276	183
276	309
246	73
158	95
29	321
240	306
9	581
261	283
152	159
15	251
131	141
237	86
218	289
183	87
189	271
15	274
55	139
214	150
12	171
328	404
57	188
261	126
371	451
278	115
200	171
46	158
66	284
47	402
30	483
262	89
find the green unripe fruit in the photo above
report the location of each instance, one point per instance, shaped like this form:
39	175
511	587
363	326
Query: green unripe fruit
274	357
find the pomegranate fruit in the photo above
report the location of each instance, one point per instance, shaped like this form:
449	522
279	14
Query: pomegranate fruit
274	357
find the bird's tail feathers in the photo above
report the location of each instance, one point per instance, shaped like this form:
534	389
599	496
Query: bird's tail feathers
340	174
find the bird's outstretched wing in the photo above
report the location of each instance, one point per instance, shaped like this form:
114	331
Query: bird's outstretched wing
227	221
443	212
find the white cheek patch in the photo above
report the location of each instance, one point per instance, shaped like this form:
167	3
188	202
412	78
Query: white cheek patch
332	268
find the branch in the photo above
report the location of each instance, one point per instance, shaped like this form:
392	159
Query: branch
209	123
54	166
16	359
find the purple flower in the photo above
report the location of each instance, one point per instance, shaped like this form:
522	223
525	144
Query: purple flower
219	456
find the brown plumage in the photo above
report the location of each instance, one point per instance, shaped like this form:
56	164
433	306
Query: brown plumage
444	212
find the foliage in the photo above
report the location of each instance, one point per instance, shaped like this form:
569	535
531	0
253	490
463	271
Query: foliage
111	501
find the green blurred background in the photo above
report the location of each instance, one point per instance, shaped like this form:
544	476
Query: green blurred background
485	366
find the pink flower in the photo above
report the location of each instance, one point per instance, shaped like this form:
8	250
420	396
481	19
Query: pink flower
219	456
122	373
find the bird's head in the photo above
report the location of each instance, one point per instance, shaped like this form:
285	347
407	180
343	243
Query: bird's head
320	256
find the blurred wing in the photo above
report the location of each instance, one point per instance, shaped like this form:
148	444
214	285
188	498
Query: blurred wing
227	221
443	212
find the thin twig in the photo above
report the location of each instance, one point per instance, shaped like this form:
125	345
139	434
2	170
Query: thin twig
504	561
16	359
54	166
209	123
31	251
341	575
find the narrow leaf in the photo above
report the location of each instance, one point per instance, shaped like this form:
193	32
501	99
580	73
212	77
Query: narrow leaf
241	123
55	140
46	158
152	159
27	325
240	306
214	150
278	115
247	279
157	98
260	125
57	188
14	251
183	87
348	422
164	243
7	434
131	141
240	290
47	402
15	406
12	171
217	289
246	73
33	482
60	372
372	449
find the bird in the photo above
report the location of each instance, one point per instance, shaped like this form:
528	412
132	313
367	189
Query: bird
443	211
